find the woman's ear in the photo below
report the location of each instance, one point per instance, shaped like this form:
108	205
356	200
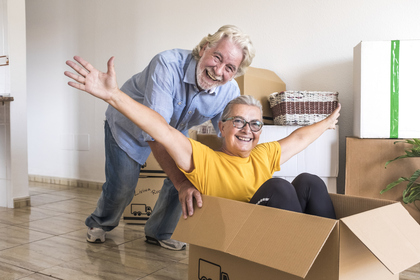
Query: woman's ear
221	128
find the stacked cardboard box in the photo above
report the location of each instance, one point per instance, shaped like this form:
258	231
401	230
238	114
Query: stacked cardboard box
386	98
146	194
366	174
260	83
386	91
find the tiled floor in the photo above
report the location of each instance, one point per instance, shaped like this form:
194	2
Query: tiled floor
47	242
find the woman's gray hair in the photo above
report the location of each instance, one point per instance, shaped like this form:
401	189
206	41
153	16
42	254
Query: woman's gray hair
243	99
236	36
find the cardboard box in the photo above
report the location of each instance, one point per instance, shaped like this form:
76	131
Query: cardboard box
210	140
145	197
260	83
371	239
386	90
147	192
366	174
319	158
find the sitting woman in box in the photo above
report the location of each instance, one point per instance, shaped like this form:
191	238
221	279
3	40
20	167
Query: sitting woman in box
242	169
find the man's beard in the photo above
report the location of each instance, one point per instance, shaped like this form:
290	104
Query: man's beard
202	78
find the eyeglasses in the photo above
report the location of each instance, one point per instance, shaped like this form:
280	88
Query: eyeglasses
239	123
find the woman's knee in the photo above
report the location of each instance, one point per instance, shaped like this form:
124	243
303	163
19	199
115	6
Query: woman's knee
279	187
307	180
277	193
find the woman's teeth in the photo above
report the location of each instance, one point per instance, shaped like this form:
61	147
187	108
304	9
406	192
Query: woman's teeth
244	139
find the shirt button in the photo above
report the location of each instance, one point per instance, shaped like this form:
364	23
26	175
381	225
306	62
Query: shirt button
179	103
190	112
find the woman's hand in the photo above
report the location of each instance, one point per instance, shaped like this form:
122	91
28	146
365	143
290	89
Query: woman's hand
332	119
89	79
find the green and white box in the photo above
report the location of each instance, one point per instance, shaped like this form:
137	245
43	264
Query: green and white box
386	89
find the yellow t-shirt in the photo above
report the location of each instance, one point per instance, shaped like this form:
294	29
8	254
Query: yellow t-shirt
222	175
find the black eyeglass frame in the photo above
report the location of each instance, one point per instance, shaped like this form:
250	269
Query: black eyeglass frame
245	123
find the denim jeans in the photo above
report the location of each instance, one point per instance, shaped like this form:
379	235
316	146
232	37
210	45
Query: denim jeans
166	213
122	174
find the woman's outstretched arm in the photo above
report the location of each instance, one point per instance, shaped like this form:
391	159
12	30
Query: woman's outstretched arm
299	139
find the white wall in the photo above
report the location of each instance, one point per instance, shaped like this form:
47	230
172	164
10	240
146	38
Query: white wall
309	44
16	138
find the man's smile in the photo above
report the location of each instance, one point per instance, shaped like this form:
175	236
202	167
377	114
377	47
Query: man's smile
211	76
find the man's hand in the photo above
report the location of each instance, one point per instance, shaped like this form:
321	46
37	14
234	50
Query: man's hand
89	79
187	192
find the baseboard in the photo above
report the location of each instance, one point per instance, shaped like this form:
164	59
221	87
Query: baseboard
22	202
66	182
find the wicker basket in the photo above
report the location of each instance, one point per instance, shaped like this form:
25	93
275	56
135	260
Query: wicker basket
302	108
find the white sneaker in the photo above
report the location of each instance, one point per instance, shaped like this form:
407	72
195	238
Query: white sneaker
95	235
170	244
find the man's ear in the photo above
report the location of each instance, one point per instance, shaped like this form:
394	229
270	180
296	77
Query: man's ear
203	48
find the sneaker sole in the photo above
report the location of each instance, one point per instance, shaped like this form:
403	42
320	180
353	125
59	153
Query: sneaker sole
97	240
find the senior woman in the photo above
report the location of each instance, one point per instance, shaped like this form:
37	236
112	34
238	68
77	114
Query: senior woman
242	169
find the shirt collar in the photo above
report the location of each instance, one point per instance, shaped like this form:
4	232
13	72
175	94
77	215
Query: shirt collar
189	77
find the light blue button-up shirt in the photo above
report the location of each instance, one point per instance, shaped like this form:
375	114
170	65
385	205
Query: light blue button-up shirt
168	86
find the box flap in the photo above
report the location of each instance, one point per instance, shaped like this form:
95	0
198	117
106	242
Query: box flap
390	233
348	205
267	236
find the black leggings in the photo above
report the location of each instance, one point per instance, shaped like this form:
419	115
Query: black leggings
306	194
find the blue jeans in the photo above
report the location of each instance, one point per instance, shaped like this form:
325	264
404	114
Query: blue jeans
122	174
166	213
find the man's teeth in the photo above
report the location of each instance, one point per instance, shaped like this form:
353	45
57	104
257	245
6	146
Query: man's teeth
243	138
212	77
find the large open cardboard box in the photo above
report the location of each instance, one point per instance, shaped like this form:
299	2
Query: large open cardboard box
372	239
260	83
368	177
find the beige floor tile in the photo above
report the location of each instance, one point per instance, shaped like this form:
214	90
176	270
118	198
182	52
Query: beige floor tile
147	251
37	276
46	198
118	236
69	206
177	271
55	225
12	272
25	215
46	253
412	273
12	236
